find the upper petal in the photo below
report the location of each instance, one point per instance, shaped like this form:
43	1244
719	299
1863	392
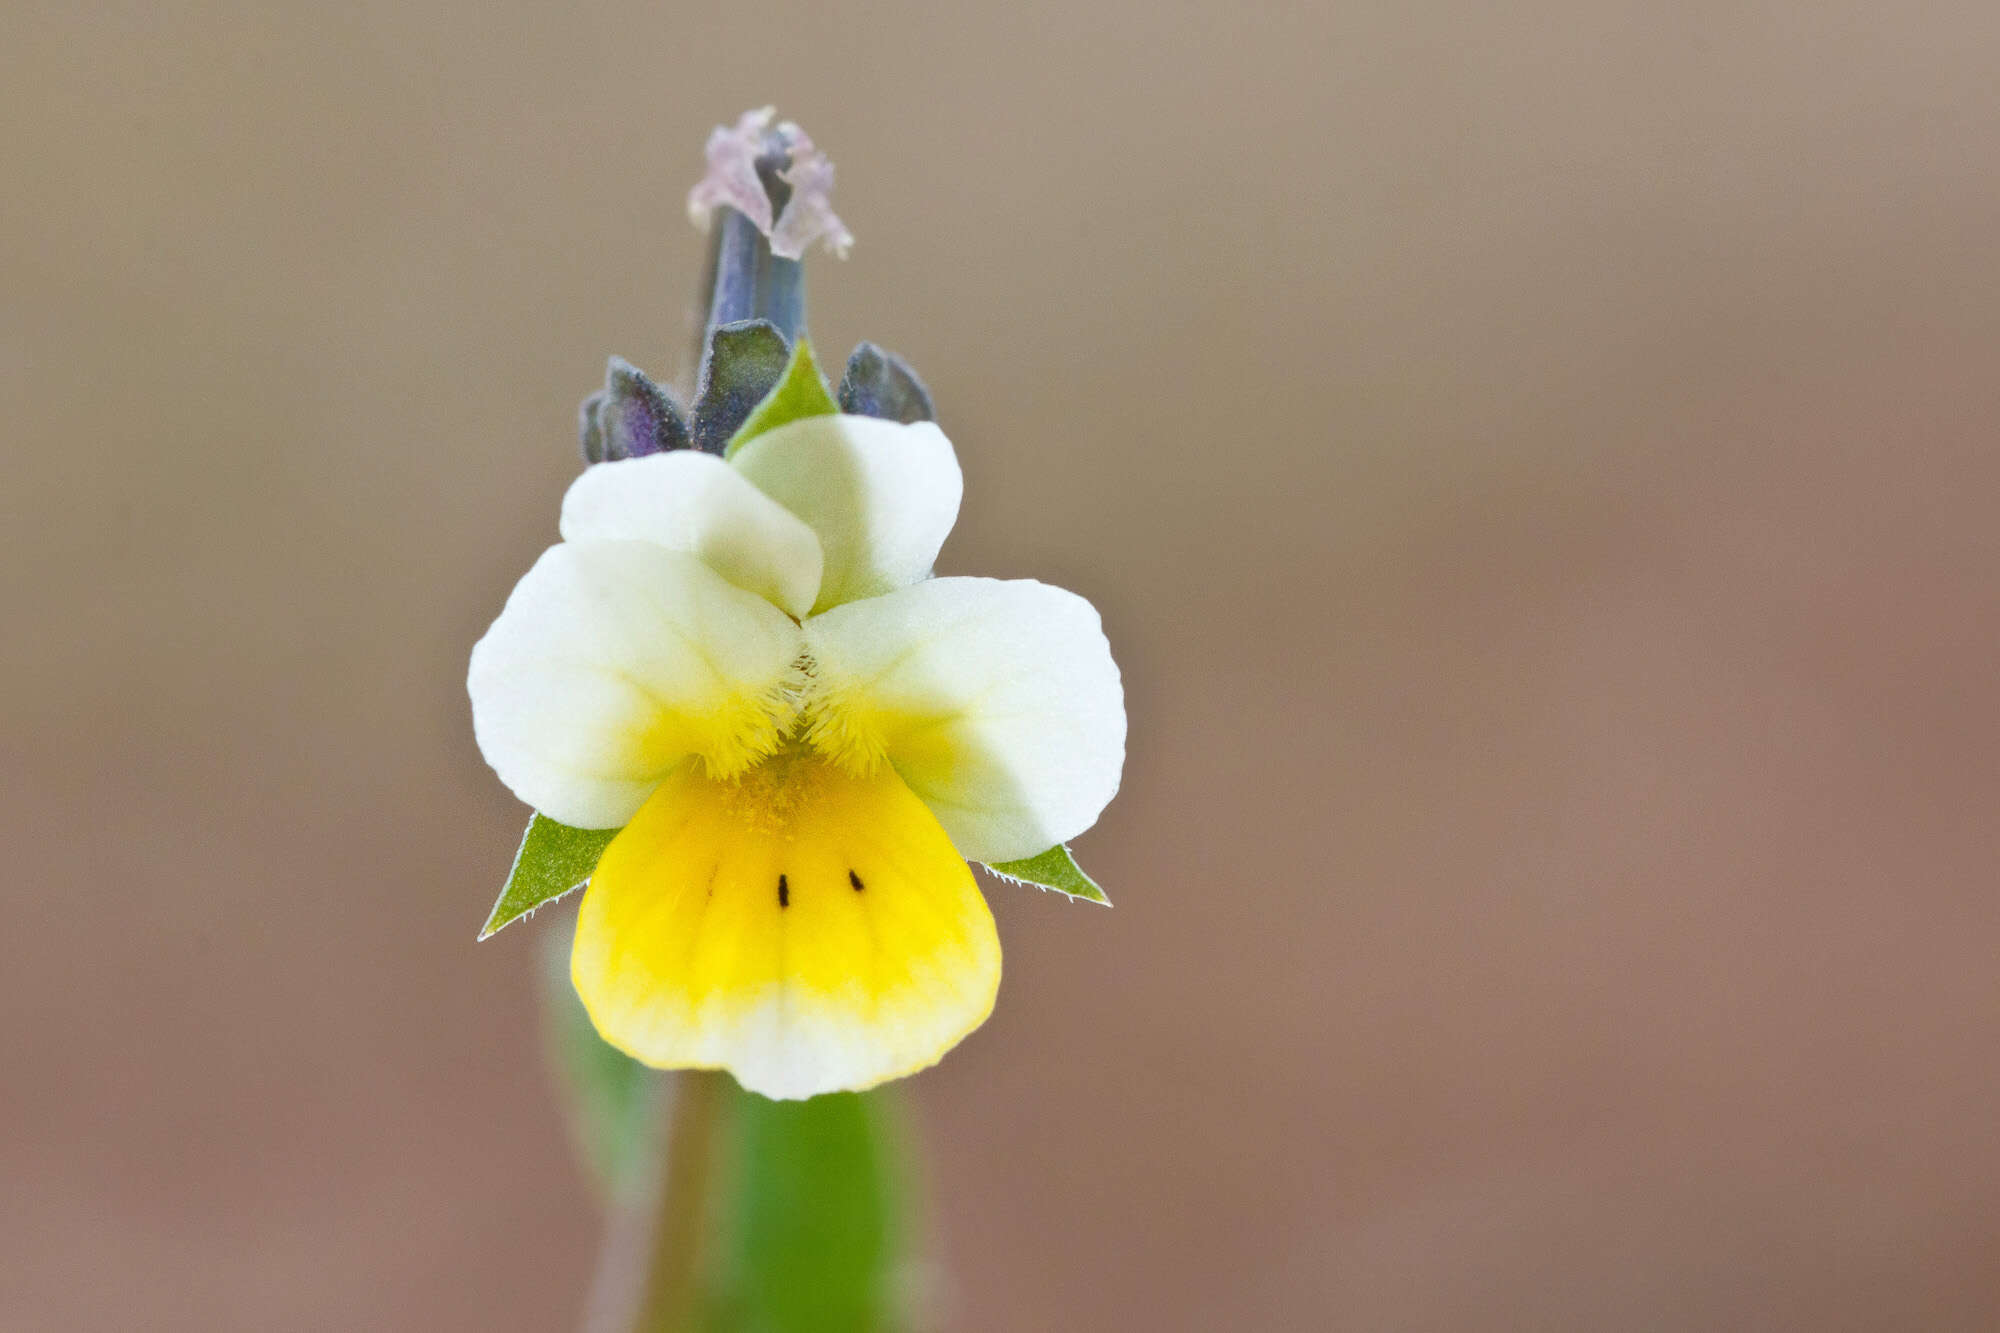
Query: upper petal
997	702
690	501
615	661
882	496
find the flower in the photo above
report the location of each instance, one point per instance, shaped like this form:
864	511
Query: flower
746	666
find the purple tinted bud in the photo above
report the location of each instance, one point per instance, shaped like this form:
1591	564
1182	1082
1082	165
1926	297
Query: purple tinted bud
629	417
879	383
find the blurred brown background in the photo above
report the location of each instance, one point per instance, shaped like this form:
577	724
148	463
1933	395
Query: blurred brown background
1538	466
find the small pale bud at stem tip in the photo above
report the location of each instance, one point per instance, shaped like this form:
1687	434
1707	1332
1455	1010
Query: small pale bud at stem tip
776	178
773	190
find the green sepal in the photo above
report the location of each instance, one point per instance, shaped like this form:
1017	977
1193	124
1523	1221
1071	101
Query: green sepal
799	393
1054	869
554	859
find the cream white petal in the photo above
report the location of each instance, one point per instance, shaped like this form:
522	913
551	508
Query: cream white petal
690	501
615	661
881	495
996	701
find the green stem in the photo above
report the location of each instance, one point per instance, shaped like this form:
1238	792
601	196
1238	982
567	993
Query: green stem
673	1285
649	1274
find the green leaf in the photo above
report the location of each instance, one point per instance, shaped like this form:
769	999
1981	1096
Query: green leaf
813	1226
554	859
799	393
615	1103
1054	869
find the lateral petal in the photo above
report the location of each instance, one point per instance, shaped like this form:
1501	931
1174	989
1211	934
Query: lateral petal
615	661
997	701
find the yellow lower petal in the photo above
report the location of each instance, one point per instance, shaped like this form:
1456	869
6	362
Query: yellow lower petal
805	928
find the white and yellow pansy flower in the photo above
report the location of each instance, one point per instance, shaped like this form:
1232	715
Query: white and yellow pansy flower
746	667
